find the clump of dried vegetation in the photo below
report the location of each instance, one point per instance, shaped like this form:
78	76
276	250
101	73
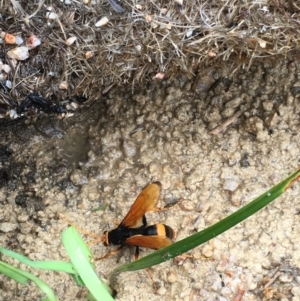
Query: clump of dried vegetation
84	47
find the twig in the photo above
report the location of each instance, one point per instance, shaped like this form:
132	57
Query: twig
222	127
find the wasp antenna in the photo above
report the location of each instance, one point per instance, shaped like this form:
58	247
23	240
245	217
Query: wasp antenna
80	230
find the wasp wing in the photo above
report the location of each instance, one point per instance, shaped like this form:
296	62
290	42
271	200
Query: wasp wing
151	242
146	201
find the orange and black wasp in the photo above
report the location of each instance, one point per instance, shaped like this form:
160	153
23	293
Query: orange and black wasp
134	231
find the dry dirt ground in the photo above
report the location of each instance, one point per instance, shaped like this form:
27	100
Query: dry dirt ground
107	152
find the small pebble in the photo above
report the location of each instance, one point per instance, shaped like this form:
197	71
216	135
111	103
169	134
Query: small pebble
6	68
204	80
207	251
234	103
71	40
286	277
22	218
10	39
33	41
236	197
199	223
8	227
187	205
51	15
153	167
8	84
161	291
129	148
231	184
171	277
78	178
19	53
25	228
102	22
296	291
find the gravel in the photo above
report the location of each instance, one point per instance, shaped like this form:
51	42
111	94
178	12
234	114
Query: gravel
105	154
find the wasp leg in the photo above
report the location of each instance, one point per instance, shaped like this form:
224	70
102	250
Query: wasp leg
153	283
136	257
110	253
137	253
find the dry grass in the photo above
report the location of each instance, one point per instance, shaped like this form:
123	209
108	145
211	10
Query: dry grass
148	38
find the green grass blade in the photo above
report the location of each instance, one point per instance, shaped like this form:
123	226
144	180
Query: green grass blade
11	272
59	266
199	238
23	277
80	256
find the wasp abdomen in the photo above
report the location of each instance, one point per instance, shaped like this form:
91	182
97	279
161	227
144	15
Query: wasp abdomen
160	230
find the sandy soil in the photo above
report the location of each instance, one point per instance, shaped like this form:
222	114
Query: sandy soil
107	152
